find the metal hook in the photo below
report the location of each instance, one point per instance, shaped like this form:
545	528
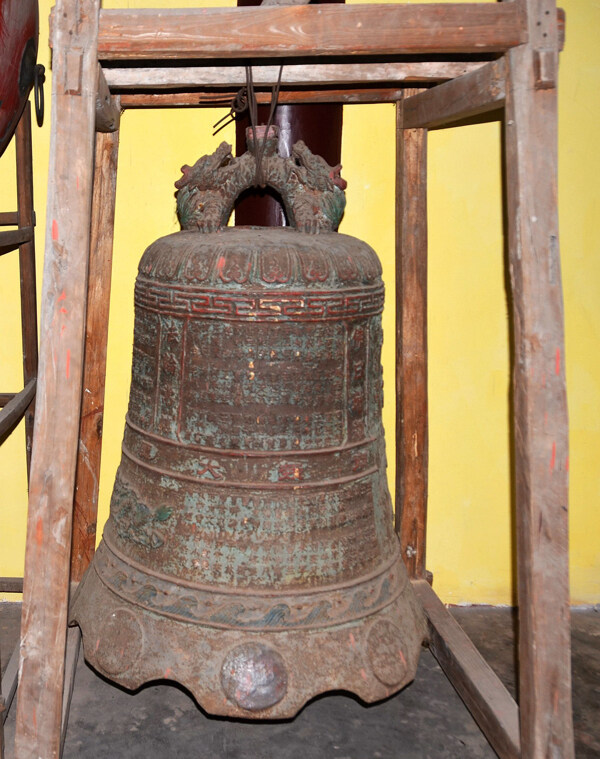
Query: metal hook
39	77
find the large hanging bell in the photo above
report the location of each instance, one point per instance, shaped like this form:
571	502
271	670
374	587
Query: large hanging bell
250	553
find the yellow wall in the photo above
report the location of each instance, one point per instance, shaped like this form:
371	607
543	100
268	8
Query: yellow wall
469	540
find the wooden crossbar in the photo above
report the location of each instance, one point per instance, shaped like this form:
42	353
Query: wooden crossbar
310	30
15	409
474	94
195	98
293	75
492	706
14	238
9	218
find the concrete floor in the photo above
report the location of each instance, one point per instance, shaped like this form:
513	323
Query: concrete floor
425	721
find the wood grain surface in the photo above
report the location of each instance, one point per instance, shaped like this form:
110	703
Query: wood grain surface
479	92
309	30
493	708
539	397
94	374
52	481
412	435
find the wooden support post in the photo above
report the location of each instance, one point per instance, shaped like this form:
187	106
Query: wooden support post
94	373
411	343
467	96
27	266
476	683
52	482
540	404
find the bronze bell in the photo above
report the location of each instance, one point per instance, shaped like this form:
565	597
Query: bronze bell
250	553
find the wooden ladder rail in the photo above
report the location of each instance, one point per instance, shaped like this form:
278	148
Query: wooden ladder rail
16	406
529	60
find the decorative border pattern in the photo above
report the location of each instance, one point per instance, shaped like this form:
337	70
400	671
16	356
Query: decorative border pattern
249	611
204	303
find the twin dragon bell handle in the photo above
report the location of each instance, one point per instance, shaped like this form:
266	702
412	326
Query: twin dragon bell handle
250	553
312	191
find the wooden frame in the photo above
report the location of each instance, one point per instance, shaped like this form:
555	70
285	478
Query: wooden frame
522	38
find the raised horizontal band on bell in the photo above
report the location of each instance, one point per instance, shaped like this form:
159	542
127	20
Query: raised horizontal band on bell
248	453
383	567
283	467
227	608
258	485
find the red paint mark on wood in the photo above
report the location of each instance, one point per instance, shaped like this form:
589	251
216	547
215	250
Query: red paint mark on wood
62	296
567	464
363	674
68	368
557	361
63	310
553	457
39	532
168	672
62	329
54	230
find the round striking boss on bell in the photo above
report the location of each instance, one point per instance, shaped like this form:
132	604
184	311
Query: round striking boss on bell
251	531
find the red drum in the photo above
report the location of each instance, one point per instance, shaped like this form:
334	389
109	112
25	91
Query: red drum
18	54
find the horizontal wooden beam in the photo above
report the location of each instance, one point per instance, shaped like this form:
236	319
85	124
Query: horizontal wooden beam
468	96
491	705
11	584
14	238
9	218
211	100
172	77
10	680
15	409
310	30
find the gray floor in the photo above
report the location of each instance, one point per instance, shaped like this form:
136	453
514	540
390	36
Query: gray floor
427	720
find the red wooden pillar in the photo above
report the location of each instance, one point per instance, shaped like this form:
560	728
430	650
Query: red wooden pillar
319	125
